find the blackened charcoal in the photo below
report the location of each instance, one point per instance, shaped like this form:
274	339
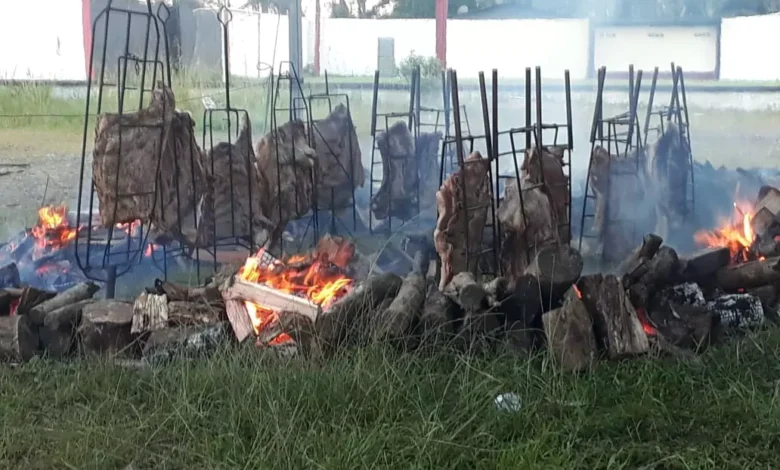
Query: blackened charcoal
739	311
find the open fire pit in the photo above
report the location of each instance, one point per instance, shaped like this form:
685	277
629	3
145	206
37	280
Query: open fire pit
45	255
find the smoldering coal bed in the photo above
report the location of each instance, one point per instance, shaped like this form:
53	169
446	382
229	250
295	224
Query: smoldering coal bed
48	255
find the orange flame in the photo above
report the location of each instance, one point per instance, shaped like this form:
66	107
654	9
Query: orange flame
129	228
53	229
14	306
149	251
646	326
735	235
577	291
312	279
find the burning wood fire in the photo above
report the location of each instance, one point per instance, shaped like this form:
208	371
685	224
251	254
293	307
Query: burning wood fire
53	229
45	253
310	278
737	235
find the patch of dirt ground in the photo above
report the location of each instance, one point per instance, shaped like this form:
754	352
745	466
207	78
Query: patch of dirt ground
34	163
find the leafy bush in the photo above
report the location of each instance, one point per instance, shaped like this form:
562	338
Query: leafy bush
430	67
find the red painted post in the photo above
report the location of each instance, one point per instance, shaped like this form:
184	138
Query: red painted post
86	25
317	35
441	32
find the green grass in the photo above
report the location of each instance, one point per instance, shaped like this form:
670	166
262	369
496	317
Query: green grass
373	409
730	129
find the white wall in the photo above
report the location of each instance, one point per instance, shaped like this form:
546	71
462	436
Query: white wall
350	46
258	39
747	48
41	40
695	49
52	37
512	45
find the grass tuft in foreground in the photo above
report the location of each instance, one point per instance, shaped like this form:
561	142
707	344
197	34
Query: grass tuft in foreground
375	409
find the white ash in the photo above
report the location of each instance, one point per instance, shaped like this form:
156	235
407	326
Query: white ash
686	294
738	310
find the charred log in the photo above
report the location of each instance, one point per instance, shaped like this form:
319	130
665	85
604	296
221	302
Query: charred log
7	299
571	341
30	297
479	319
738	311
181	313
177	293
463	201
9	276
303	331
440	317
523	307
631	268
18	339
58	332
556	268
77	293
105	328
685	326
334	325
617	327
705	263
656	273
397	321
748	275
184	341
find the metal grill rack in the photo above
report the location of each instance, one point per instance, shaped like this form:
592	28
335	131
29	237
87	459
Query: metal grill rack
296	109
337	212
658	118
620	136
103	260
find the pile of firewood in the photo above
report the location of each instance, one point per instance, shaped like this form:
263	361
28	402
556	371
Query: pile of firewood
35	322
656	298
412	312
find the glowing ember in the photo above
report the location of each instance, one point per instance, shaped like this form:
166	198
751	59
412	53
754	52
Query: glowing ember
53	229
577	291
130	228
313	279
13	306
150	250
646	326
736	235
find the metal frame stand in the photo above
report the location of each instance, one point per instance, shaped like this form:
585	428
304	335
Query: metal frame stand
107	263
337	209
412	117
624	131
533	134
677	113
483	265
297	104
232	117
